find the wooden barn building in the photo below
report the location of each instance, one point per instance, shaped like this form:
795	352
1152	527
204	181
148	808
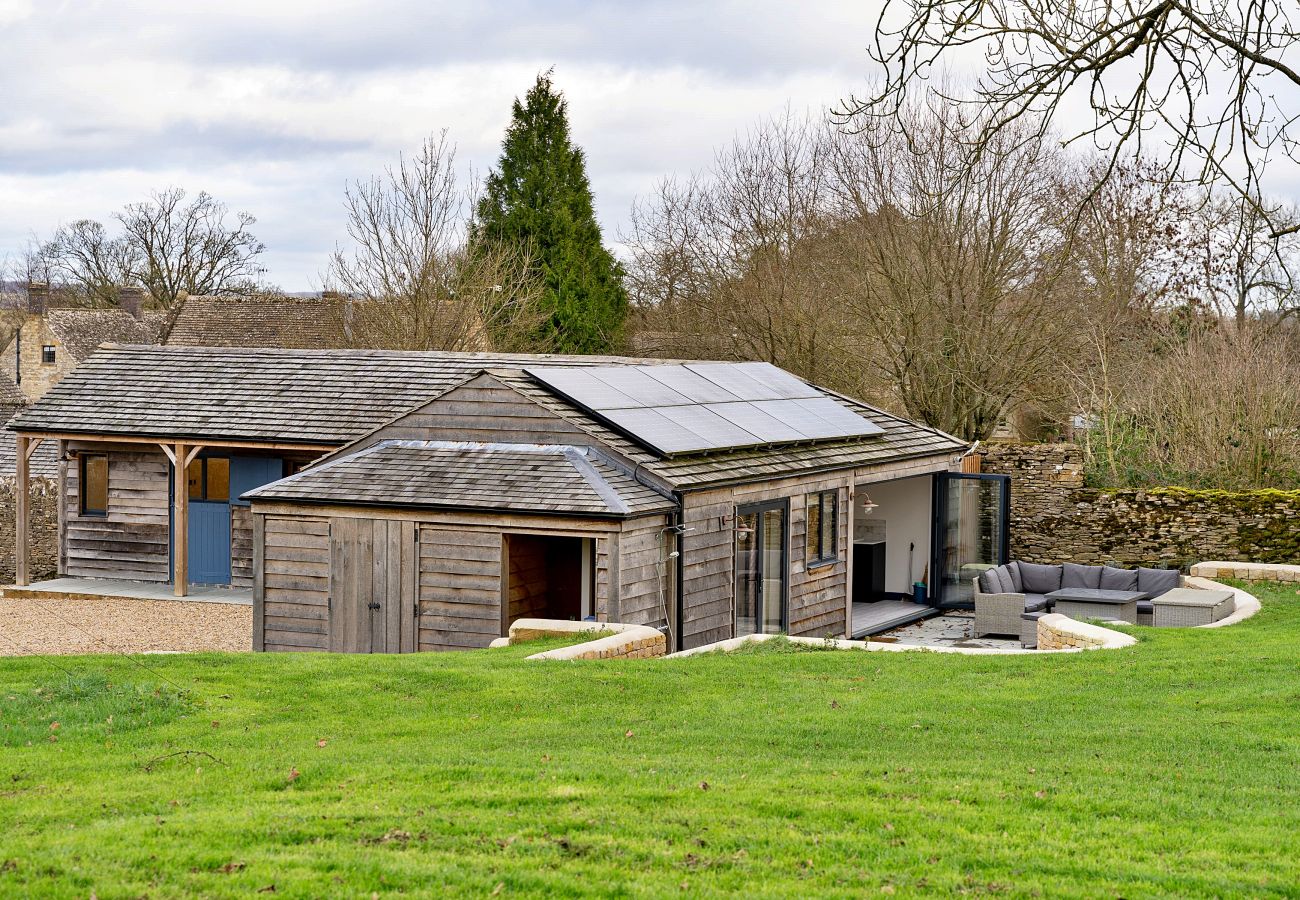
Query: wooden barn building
388	501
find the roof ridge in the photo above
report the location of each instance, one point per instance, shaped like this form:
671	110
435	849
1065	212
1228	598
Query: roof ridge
578	459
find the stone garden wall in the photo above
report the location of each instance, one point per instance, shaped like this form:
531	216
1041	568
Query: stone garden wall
43	508
1055	518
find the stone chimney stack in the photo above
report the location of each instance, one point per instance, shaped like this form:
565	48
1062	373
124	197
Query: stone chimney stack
131	299
38	297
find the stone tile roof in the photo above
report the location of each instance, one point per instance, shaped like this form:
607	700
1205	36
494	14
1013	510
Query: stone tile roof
547	479
81	331
43	463
284	322
322	397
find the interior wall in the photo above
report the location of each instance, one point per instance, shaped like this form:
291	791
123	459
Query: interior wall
903	508
545	577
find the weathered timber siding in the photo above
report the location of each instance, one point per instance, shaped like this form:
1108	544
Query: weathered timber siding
131	541
816	599
295	583
460	588
482	409
241	546
528	579
643	571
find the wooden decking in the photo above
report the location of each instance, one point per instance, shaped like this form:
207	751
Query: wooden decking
873	618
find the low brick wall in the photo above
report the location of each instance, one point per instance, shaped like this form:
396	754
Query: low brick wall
1246	571
627	641
1056	518
43	522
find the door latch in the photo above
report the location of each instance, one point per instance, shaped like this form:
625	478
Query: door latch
373	604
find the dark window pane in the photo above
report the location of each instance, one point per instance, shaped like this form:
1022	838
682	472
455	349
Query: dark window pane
814	527
194	477
218	487
94	487
47	353
830	509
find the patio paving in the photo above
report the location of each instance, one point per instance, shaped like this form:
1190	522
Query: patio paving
952	629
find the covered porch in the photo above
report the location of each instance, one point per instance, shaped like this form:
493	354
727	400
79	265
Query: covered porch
915	539
149	516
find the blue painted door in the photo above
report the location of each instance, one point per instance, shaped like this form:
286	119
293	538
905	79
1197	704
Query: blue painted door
209	542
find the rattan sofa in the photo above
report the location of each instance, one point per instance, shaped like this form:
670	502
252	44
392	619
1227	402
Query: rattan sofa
1004	593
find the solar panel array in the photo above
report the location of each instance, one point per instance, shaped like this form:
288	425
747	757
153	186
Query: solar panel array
690	408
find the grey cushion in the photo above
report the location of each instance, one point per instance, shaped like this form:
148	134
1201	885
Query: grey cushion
1040	579
1158	581
1016	584
1035	606
1077	576
1036	598
989	582
1033	616
1113	579
1008	582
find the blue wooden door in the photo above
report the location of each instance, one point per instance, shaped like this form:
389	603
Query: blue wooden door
209	542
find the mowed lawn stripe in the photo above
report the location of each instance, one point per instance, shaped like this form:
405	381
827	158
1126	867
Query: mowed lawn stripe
1170	768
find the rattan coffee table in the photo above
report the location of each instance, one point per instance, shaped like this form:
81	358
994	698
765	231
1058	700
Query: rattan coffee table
1096	603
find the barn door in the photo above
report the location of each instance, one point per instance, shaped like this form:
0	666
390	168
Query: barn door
372	586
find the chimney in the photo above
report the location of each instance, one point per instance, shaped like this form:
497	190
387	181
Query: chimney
38	297
131	299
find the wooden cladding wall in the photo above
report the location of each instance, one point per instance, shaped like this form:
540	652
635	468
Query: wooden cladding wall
482	409
816	600
643	571
241	546
131	541
294	556
460	588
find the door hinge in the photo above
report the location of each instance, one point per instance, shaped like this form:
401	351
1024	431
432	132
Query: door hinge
373	604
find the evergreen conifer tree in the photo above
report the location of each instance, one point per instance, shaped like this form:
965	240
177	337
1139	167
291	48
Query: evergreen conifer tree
538	198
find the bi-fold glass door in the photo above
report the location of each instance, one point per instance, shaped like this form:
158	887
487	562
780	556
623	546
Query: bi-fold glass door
971	519
761	562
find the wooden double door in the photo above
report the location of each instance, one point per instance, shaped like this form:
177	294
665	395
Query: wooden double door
374	573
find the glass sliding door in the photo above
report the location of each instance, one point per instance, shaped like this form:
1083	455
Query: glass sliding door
971	514
761	562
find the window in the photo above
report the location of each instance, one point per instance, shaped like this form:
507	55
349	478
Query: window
208	478
94	484
823	527
47	354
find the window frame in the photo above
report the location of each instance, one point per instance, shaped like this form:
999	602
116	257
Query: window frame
83	508
202	462
816	554
49	354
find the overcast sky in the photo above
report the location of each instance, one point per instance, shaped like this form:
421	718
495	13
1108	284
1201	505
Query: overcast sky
274	105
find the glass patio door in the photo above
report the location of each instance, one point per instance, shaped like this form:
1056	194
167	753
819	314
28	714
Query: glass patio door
761	562
971	517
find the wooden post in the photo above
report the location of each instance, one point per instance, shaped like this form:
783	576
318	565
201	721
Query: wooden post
180	524
21	525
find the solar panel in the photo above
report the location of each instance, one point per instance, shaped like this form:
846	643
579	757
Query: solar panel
691	386
755	381
705	406
767	428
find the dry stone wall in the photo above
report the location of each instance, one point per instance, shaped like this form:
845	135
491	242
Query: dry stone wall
43	509
1056	518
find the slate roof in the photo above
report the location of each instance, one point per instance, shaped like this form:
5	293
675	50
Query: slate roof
321	397
81	331
283	322
510	477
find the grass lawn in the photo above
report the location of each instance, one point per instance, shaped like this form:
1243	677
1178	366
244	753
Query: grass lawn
1171	768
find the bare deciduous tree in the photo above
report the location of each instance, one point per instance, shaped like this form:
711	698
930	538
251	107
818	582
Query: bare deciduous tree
1212	79
415	283
169	247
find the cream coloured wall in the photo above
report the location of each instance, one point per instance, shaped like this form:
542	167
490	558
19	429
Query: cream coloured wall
904	507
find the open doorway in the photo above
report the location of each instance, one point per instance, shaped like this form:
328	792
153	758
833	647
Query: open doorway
892	527
548	577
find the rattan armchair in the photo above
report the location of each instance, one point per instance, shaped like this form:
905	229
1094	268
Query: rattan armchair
997	613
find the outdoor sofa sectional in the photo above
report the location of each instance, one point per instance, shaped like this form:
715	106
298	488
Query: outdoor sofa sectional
1005	596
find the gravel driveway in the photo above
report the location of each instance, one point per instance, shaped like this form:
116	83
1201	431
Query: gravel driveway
86	625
